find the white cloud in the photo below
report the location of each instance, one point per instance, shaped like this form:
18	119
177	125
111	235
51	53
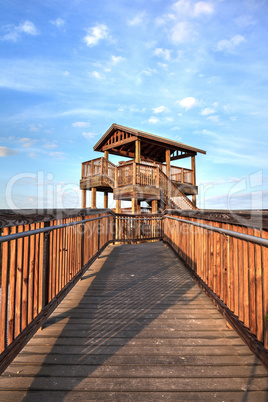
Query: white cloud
97	75
137	20
117	59
164	53
153	120
34	128
229	45
215	119
66	73
186	8
203	8
13	32
4	151
80	124
159	109
207	111
188	103
59	23
89	135
27	142
58	155
181	32
29	28
245	20
96	34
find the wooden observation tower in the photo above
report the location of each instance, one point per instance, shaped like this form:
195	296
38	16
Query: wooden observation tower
147	176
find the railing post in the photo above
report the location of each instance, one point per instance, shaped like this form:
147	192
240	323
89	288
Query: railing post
101	165
46	268
157	184
116	177
182	175
82	244
134	174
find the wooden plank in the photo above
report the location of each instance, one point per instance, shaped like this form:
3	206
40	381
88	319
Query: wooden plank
259	289
25	279
19	268
252	285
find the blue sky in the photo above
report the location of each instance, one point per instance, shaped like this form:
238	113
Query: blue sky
193	71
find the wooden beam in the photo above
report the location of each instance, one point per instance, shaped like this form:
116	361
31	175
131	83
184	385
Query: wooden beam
106	154
193	177
134	205
137	151
118	143
154	207
182	156
105	199
115	151
168	162
84	198
93	197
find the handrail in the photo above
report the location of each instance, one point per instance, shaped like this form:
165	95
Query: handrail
177	192
47	229
227	232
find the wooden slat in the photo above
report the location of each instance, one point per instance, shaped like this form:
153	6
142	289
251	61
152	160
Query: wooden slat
25	279
19	268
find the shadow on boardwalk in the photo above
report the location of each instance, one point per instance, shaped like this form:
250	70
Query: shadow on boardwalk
135	328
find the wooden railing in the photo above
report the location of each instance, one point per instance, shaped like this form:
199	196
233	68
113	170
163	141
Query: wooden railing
173	194
104	166
98	166
131	228
40	263
232	263
42	259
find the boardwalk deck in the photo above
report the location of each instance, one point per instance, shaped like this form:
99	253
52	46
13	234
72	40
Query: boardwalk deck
135	328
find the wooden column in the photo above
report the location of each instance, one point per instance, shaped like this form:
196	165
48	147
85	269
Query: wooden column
137	151
93	197
134	205
84	198
193	177
105	199
154	207
168	162
118	206
106	155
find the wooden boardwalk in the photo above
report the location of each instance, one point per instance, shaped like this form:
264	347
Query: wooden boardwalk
135	328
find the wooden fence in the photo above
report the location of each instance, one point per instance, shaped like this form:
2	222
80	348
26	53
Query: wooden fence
232	261
40	263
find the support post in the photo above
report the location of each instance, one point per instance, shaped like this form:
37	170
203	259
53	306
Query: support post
168	162
193	177
105	199
134	205
93	197
106	155
154	207
84	198
137	151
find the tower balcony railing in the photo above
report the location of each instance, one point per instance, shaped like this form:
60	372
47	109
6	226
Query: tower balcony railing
145	174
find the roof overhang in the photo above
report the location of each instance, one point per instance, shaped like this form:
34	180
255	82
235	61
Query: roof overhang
120	140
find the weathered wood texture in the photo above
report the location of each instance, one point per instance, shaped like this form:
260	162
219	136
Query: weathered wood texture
36	269
136	327
235	270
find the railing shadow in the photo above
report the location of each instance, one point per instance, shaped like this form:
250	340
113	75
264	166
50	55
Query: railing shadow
133	288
